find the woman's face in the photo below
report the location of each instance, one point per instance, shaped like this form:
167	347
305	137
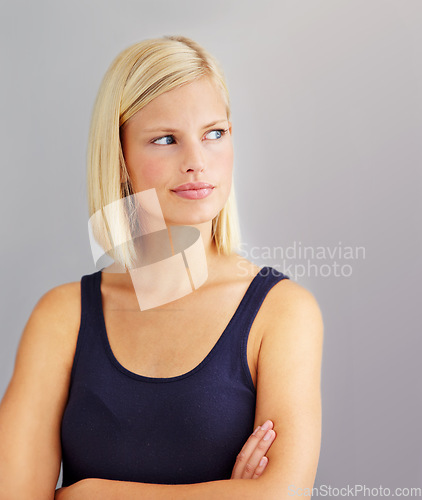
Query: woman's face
182	136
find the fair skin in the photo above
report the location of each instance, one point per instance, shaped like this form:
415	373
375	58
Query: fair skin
284	344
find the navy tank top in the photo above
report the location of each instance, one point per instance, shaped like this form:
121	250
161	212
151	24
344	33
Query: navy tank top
179	430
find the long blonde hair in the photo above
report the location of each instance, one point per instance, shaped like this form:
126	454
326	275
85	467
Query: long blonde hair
139	74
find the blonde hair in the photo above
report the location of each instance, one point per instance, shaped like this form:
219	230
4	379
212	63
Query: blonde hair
139	74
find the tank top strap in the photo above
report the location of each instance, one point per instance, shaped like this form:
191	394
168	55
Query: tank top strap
258	289
241	323
89	313
90	306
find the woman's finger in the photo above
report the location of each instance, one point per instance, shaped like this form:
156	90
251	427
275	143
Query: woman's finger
260	469
266	437
245	453
253	450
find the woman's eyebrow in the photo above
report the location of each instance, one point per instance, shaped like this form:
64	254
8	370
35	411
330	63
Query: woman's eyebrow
165	129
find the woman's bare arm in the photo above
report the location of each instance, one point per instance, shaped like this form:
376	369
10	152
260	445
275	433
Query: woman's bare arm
33	405
289	388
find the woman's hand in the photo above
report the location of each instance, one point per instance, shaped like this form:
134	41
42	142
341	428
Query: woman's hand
248	463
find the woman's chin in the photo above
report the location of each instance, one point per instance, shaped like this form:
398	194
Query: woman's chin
190	219
186	222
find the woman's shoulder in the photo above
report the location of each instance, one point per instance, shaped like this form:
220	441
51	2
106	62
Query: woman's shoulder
60	298
285	298
290	306
56	315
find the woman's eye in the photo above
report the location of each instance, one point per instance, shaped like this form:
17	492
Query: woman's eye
169	139
163	140
219	132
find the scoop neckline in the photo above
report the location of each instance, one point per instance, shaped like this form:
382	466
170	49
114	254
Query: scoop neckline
198	367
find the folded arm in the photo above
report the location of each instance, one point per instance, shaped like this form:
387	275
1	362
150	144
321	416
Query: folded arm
103	489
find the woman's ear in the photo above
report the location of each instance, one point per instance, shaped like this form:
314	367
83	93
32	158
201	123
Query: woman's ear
230	128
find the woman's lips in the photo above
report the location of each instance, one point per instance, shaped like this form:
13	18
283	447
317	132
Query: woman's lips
194	194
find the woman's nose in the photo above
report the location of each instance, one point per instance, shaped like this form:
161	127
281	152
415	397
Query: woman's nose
193	157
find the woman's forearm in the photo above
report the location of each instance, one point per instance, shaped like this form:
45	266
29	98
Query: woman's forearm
104	489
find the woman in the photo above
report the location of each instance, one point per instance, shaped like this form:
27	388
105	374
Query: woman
157	402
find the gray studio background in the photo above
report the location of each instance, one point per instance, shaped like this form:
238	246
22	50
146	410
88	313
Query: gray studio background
326	111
